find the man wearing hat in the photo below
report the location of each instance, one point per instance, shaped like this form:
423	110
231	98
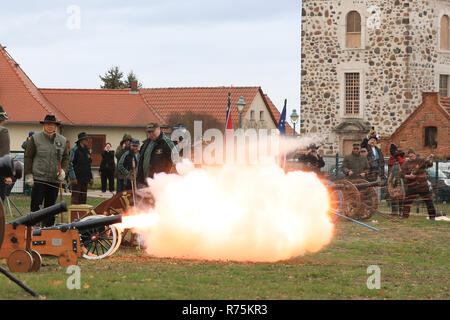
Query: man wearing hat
121	149
4	150
312	161
414	173
127	162
158	154
375	158
355	165
46	151
80	173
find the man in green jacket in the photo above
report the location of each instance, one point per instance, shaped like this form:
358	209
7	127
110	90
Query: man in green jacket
121	149
46	150
355	166
158	154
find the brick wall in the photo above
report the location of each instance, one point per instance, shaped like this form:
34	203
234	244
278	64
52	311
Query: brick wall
411	133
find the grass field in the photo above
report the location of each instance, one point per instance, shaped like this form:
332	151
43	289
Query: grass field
413	256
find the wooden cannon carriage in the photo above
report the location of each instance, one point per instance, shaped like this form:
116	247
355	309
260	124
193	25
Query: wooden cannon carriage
356	199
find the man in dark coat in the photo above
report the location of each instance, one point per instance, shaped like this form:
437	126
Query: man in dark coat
80	173
311	161
126	163
375	158
121	149
46	150
414	173
4	150
355	165
395	182
158	154
107	167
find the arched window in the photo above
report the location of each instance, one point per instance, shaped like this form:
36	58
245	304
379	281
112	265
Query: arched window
353	32
445	24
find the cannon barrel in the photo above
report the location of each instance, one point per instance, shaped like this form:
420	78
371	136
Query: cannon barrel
87	224
359	186
34	217
95	223
10	167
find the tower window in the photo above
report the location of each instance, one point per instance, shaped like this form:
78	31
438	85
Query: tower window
445	34
352	86
443	85
353	32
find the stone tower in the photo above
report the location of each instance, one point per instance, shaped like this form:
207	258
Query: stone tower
366	63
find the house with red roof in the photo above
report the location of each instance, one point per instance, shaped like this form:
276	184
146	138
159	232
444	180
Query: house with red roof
426	130
107	114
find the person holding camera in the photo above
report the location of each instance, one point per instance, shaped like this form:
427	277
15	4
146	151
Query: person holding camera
312	161
372	133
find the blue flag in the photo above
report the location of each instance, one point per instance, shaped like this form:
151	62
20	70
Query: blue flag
282	123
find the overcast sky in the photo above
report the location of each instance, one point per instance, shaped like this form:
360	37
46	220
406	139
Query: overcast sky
167	43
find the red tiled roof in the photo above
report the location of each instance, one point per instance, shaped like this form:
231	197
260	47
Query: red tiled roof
276	115
19	97
24	102
102	107
445	102
212	100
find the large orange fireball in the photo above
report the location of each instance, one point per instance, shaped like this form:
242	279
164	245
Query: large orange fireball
240	213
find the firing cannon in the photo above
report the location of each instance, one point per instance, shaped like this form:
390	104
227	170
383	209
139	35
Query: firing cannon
17	247
93	237
356	199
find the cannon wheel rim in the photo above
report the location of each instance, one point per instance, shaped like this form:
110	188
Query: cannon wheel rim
369	197
37	261
106	242
20	261
352	199
67	258
335	197
2	223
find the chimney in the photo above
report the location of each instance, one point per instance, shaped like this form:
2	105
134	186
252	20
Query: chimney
432	98
134	86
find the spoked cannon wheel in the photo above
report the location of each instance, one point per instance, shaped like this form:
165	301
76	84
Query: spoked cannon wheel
352	199
98	243
369	201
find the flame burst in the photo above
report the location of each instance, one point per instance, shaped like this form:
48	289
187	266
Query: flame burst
240	213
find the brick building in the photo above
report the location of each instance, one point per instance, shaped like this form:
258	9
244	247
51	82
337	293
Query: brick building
366	63
426	130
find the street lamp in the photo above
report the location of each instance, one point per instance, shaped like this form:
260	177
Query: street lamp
240	106
294	118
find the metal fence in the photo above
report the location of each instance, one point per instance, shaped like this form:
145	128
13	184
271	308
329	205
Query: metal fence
438	176
19	186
